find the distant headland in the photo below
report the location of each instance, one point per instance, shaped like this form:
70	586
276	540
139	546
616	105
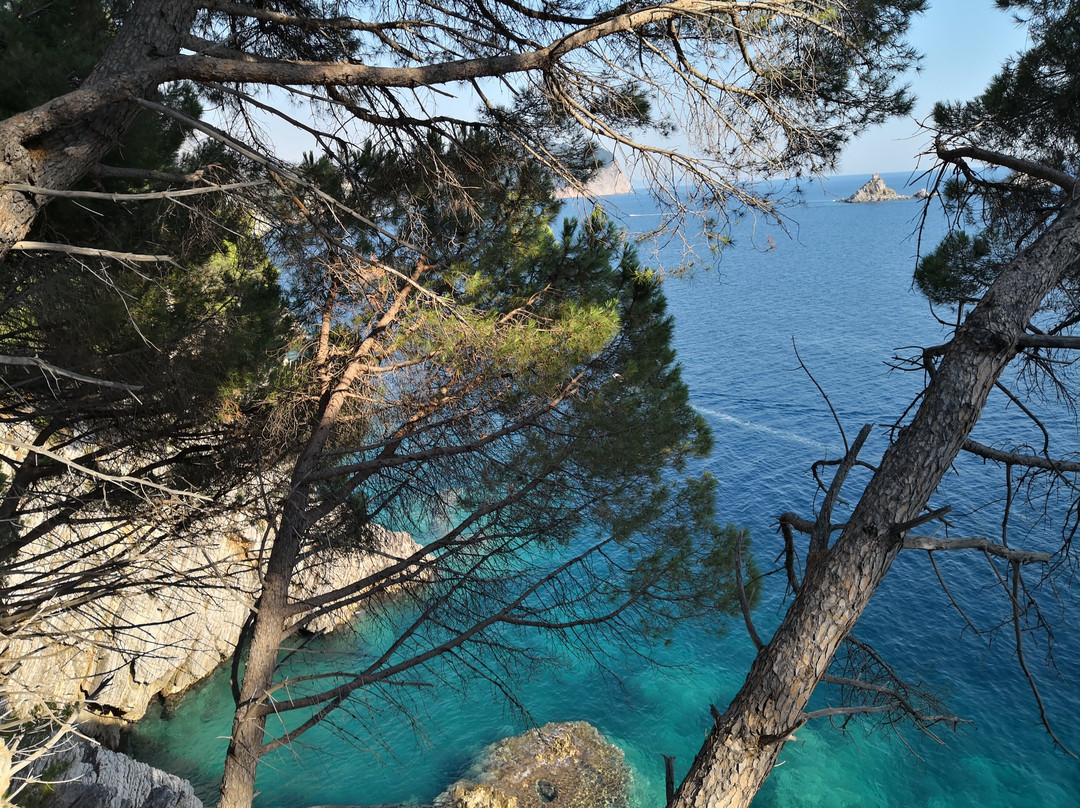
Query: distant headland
875	190
608	180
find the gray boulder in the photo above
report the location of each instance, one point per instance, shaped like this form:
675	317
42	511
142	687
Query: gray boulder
84	774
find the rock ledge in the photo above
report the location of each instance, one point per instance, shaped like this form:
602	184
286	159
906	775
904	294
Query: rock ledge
90	775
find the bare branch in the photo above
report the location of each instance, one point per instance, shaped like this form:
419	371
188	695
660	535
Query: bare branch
922	519
132	197
865	709
1020	658
145	174
90	252
121	480
1017	459
744	601
934	544
819	537
54	370
1018	164
1049	341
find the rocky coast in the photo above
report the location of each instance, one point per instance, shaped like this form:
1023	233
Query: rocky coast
98	665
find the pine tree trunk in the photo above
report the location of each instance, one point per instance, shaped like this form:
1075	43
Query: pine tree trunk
743	747
54	145
249	721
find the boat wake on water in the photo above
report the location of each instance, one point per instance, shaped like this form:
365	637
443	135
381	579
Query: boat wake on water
766	430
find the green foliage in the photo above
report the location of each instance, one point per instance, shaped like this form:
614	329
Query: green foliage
543	331
956	270
1028	111
47	48
198	335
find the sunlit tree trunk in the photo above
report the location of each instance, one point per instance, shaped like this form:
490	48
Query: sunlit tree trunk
272	611
745	743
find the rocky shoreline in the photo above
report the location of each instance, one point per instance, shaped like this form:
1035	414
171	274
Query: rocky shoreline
101	665
115	656
559	765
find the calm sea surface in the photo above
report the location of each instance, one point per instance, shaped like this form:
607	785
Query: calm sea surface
838	289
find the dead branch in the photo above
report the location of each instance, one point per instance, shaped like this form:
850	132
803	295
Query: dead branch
1020	658
90	252
54	370
132	197
935	543
1029	167
1017	459
819	537
744	601
121	480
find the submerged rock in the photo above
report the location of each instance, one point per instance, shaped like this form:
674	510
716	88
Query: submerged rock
875	190
568	765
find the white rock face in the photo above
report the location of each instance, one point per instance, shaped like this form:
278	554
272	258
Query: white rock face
95	776
607	181
875	190
118	653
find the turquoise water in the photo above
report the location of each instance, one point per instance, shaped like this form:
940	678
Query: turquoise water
839	286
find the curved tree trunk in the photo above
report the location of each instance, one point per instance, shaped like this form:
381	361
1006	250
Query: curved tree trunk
746	740
54	145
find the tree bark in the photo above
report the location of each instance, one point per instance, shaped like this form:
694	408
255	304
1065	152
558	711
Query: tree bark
56	144
743	746
272	610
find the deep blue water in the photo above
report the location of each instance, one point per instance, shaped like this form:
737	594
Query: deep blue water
838	289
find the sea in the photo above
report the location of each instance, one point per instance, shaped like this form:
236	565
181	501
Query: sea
786	337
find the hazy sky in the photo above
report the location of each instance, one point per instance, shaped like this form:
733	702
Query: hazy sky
963	43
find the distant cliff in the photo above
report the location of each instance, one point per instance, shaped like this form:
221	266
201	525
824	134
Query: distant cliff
607	181
875	190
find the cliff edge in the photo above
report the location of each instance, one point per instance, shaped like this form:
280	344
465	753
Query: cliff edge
115	655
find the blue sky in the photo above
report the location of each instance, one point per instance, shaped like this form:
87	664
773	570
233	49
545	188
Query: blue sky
963	43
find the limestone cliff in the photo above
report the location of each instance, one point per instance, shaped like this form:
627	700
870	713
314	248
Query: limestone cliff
117	653
606	181
569	765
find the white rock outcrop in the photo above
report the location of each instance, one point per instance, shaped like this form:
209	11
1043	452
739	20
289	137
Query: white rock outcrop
559	765
119	652
84	774
875	190
607	181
